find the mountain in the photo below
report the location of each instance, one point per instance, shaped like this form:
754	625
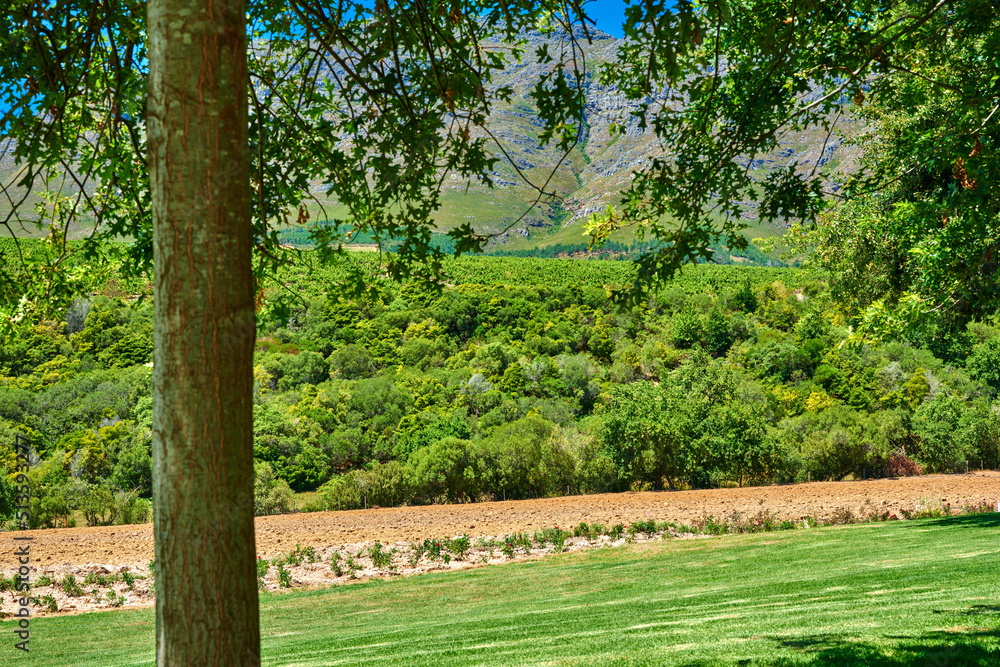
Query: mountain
588	179
595	171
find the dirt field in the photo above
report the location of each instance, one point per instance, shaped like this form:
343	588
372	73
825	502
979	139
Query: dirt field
133	545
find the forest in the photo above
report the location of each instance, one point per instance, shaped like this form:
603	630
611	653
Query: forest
517	378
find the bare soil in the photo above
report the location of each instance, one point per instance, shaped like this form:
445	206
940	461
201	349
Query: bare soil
109	549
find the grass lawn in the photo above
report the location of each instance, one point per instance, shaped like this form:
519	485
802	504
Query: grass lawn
920	593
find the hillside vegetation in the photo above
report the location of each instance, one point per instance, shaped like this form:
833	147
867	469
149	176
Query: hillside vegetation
520	378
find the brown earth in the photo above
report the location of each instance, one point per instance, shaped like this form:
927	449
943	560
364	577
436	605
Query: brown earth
130	545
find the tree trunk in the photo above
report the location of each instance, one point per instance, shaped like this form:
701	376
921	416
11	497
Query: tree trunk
204	332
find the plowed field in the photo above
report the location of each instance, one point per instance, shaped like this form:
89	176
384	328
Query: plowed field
129	545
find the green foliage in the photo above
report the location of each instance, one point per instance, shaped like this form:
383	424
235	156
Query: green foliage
270	494
936	424
352	362
689	427
744	298
718	336
8	499
687	328
913	246
70	586
984	363
447	468
381	558
979	435
837	442
521	460
532	389
284	577
740	446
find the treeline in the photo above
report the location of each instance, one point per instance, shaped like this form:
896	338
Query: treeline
611	250
521	379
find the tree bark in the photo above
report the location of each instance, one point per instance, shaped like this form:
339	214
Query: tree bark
204	332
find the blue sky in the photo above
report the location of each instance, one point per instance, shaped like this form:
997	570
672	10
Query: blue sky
608	15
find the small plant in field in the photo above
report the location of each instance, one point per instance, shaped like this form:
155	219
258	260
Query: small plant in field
115	599
460	546
871	513
262	567
298	554
648	527
416	551
930	510
522	539
335	564
380	557
97	579
583	530
9	584
352	568
762	522
41	582
71	587
151	589
284	577
553	536
508	549
128	578
982	507
558	539
433	549
301	554
712	526
96	594
46	601
616	533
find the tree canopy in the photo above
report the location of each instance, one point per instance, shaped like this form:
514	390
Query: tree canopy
379	102
910	233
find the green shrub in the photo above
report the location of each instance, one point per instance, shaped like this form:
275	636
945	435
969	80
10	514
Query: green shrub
270	494
380	557
284	577
447	468
70	586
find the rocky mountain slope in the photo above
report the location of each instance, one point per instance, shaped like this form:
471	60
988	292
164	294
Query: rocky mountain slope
587	180
595	172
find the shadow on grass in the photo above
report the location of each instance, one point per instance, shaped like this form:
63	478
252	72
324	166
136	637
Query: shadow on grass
933	649
990	520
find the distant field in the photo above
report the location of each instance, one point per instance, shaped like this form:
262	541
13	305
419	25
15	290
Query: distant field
909	593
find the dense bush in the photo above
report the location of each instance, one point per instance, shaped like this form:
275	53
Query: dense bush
270	494
521	379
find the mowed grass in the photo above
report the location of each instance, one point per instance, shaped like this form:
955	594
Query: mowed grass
923	592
